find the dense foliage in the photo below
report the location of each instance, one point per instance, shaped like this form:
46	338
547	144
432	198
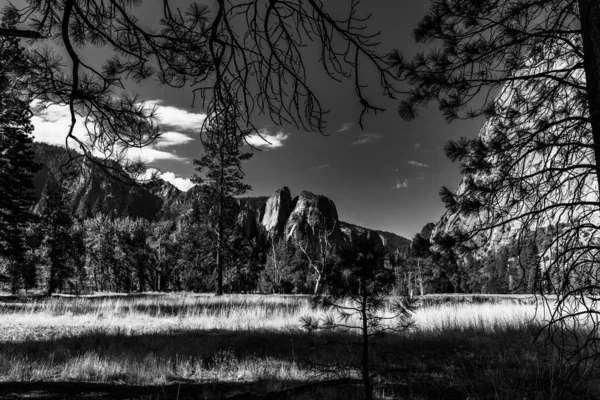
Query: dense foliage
16	156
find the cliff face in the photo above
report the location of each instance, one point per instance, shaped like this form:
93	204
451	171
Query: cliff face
312	214
277	210
389	240
524	157
93	189
279	217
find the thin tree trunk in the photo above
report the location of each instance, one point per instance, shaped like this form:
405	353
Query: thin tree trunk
141	277
219	288
420	276
589	11
318	281
365	348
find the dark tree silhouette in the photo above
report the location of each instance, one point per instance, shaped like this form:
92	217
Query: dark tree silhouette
55	228
358	293
174	54
532	68
16	156
220	174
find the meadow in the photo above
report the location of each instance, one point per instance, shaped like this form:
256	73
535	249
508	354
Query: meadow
182	345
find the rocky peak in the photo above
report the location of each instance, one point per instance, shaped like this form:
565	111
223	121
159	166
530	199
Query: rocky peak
312	213
278	208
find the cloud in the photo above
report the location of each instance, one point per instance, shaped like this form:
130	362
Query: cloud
367	138
323	166
183	184
51	125
175	117
401	185
346	126
150	154
169	139
417	145
418	164
268	140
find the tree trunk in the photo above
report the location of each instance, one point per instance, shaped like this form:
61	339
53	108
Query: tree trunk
317	282
52	280
219	288
420	275
365	348
141	277
589	11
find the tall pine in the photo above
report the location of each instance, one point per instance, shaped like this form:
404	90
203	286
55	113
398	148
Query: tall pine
56	222
16	156
219	172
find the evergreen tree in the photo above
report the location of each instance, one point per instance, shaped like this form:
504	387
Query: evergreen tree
360	289
219	171
532	68
16	156
56	222
529	261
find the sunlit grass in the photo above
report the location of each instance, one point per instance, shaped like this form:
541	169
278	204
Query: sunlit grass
156	339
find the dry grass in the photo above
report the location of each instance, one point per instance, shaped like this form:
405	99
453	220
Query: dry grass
484	350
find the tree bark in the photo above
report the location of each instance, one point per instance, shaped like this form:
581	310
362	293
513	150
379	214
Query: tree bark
589	14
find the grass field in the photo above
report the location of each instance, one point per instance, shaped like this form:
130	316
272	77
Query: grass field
200	346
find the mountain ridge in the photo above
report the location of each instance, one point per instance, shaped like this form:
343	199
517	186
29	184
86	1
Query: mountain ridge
266	218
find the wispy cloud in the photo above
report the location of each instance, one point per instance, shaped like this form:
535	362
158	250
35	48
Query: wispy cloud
169	139
346	126
150	154
51	124
418	164
324	166
401	185
367	138
267	140
175	117
417	145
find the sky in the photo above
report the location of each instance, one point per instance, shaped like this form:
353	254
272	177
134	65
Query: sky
385	177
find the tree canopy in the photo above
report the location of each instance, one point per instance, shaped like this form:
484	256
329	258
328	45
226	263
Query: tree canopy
247	52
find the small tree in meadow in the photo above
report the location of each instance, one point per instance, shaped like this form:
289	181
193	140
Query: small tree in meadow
358	295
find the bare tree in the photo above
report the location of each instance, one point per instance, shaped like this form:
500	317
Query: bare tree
319	253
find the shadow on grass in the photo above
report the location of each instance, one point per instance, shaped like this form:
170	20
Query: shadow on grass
204	364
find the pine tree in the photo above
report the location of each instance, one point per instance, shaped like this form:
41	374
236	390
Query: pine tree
16	156
221	165
532	68
360	289
56	221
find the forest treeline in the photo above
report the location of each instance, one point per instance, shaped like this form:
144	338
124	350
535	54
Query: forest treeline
108	253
